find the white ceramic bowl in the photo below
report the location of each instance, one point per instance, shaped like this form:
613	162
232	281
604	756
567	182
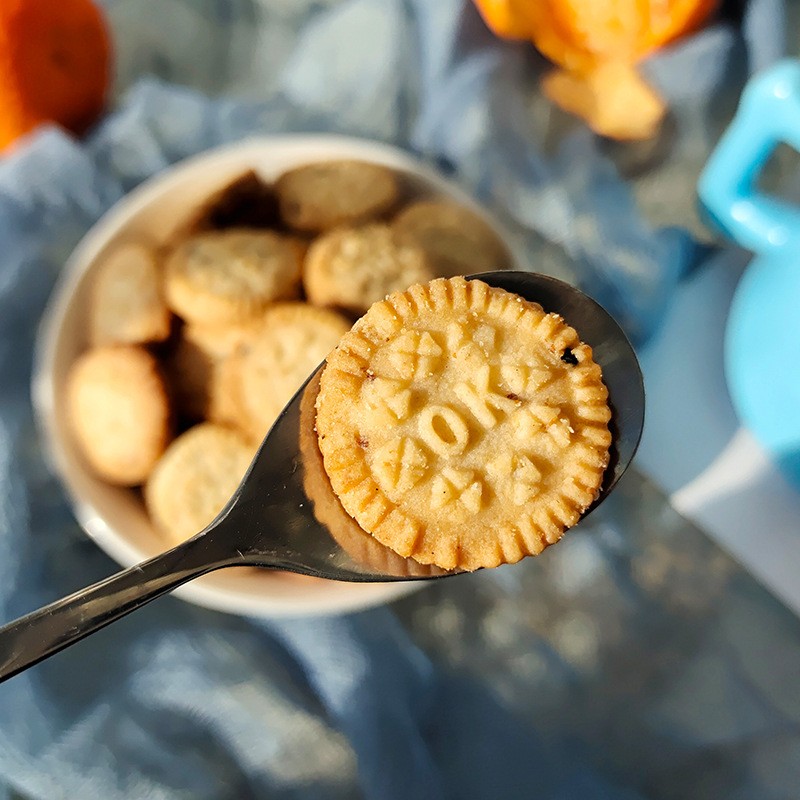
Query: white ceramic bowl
115	518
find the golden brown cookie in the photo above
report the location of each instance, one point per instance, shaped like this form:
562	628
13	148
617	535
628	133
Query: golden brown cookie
224	398
196	366
293	340
351	268
462	425
357	543
246	202
119	412
321	196
188	369
456	240
219	341
127	305
219	278
195	478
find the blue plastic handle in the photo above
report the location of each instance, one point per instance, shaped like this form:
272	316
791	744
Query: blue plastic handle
769	113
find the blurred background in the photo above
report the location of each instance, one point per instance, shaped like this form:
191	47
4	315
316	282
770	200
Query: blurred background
655	653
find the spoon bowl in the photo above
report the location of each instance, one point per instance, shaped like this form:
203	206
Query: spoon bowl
283	516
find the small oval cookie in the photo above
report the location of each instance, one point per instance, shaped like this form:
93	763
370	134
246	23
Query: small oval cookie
462	425
456	240
351	268
195	478
119	412
245	202
293	340
321	196
219	341
188	371
127	305
195	364
220	277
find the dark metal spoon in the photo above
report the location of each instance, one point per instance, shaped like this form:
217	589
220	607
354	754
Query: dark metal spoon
270	521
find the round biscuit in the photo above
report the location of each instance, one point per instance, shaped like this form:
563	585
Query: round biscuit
463	426
127	305
188	369
351	268
219	341
245	202
321	196
196	367
224	395
293	340
195	478
119	412
222	277
456	240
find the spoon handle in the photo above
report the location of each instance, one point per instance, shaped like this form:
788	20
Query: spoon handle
40	634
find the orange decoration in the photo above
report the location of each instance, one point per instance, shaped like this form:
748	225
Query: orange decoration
54	65
597	43
507	18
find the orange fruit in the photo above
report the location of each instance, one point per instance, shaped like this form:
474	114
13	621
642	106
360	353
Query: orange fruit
54	65
507	18
580	34
596	43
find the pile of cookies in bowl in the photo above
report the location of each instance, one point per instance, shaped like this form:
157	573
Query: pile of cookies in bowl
195	334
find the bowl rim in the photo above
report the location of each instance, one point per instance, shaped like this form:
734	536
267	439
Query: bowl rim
241	154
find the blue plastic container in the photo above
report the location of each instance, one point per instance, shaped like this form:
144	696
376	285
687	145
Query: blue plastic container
762	342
